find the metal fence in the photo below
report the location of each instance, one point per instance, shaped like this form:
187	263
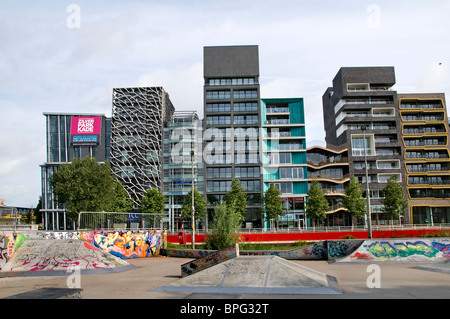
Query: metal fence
118	221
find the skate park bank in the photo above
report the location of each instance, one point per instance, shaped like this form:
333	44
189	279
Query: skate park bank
43	250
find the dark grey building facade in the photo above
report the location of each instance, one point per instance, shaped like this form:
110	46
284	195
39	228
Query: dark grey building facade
232	125
361	114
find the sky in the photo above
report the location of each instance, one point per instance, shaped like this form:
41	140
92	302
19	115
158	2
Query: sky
67	56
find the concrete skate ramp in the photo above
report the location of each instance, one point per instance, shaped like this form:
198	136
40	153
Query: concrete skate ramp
256	275
43	257
400	250
439	266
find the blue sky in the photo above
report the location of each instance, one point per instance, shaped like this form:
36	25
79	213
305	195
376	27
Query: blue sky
48	66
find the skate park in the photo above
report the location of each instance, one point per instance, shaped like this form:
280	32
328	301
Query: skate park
90	265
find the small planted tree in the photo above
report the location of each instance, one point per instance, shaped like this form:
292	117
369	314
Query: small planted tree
273	203
353	200
225	226
236	198
317	203
394	200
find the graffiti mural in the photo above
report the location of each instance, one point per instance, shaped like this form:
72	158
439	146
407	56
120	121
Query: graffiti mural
50	255
341	248
209	261
402	250
126	244
3	250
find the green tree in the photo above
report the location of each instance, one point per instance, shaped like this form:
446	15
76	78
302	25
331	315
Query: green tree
236	198
121	202
353	199
394	200
317	204
37	214
153	202
225	226
199	205
83	185
273	203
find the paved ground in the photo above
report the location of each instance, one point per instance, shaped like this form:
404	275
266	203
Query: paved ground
397	281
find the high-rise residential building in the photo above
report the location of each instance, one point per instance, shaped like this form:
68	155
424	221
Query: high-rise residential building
361	114
69	136
232	125
283	139
138	119
425	137
183	134
330	168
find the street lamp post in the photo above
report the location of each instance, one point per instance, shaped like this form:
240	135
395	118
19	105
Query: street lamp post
369	217
192	202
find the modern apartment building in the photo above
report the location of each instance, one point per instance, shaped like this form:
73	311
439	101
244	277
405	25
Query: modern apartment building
330	167
138	119
425	135
183	134
283	140
69	136
361	114
232	125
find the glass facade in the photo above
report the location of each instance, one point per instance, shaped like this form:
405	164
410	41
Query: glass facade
60	149
284	157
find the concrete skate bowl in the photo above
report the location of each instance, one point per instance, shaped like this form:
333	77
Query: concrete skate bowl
256	275
402	250
44	257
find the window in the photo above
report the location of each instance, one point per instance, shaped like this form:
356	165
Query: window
285	188
218	107
285	158
218	95
245	94
245	172
358	145
231	81
291	172
218	120
246	107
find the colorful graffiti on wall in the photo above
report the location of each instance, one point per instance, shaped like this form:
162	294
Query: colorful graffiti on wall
126	244
3	250
403	250
62	254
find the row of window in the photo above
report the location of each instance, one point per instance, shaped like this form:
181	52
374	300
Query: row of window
429	180
429	193
427	167
226	120
232	81
426	154
237	94
424	129
225	159
226	107
225	186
